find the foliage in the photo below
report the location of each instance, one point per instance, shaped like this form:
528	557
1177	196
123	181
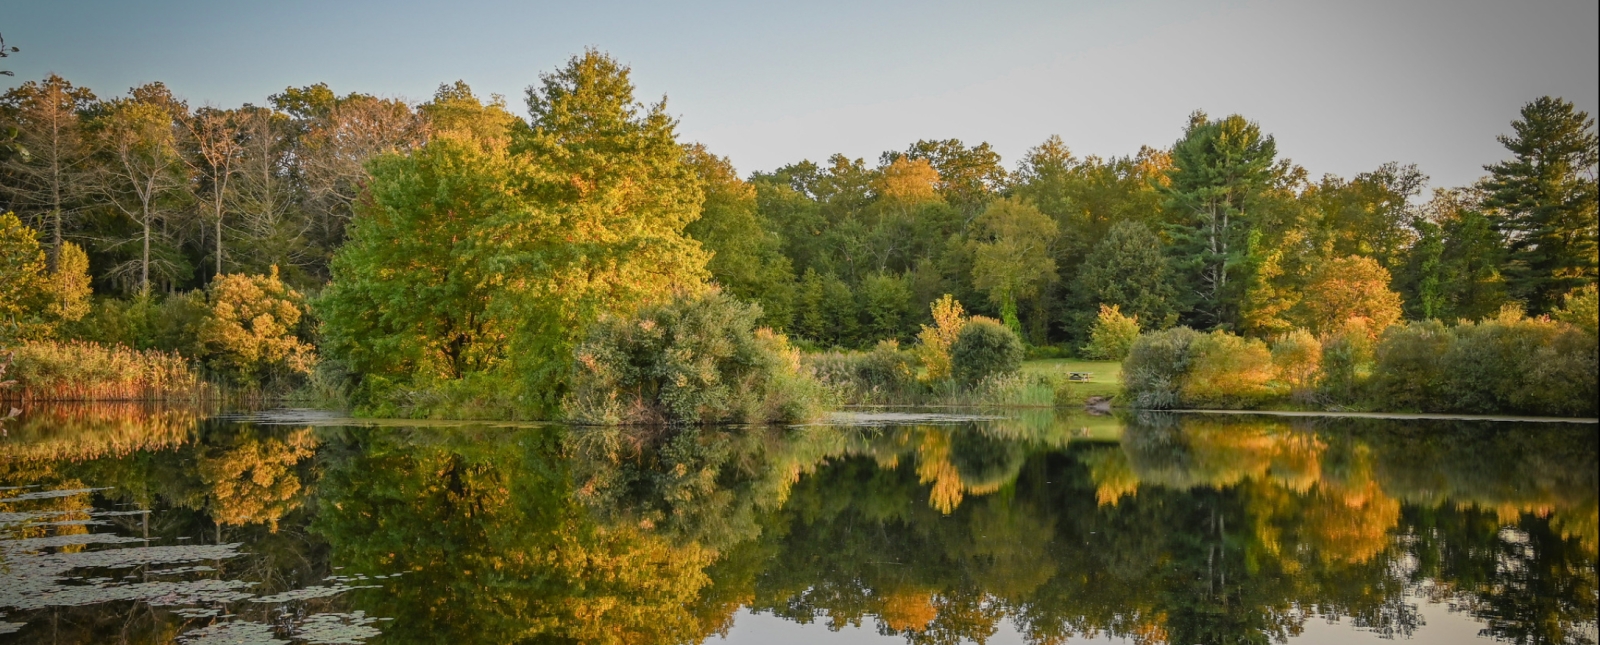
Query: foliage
1407	373
1348	288
35	301
984	349
1227	371
887	374
1220	171
697	359
1011	255
1128	270
249	334
81	371
1347	356
935	341
1545	201
1297	358
1157	363
505	255
1581	308
1112	335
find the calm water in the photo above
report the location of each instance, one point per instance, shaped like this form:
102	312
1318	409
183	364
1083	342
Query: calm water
128	524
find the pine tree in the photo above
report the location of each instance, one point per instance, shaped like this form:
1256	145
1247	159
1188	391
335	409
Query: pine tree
1219	170
1544	202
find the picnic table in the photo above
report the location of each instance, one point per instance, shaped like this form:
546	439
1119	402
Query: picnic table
1080	376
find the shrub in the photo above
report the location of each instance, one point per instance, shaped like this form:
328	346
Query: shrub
1111	335
1227	371
1513	364
248	335
81	371
1346	361
695	359
984	348
1297	357
887	374
1407	371
1153	372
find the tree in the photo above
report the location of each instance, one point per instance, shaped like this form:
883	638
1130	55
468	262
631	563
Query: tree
1129	270
1352	287
1453	269
968	176
249	334
1112	335
1543	201
35	300
216	154
948	320
746	258
1220	169
471	258
1011	254
52	179
142	173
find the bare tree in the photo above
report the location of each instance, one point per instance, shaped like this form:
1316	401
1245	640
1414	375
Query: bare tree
217	154
50	182
332	155
264	198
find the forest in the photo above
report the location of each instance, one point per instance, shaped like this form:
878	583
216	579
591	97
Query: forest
579	260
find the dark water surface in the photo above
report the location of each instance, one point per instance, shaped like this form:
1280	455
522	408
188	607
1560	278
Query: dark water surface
126	524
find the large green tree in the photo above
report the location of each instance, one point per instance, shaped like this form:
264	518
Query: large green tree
1544	202
474	256
1220	171
1128	269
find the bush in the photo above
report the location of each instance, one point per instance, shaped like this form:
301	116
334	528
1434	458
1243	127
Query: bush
887	374
1406	374
1513	364
1153	372
80	371
1297	357
1347	362
1227	371
696	359
1111	335
35	301
983	349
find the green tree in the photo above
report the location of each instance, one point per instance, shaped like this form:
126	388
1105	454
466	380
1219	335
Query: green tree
1011	255
1220	170
474	258
1543	200
746	258
1129	270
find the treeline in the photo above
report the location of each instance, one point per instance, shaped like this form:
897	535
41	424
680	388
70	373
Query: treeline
452	244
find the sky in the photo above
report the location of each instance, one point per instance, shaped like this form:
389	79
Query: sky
1343	86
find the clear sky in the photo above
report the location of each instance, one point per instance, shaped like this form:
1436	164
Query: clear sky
1344	86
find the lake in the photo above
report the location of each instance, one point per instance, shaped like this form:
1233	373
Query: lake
139	524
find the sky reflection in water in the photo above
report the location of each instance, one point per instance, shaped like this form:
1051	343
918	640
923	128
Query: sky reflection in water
1032	528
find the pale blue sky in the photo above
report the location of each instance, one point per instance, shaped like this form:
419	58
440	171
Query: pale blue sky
1345	86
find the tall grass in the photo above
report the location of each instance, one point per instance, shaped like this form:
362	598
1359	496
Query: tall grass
84	371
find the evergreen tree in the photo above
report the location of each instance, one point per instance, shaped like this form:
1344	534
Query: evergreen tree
1220	168
1127	270
1544	202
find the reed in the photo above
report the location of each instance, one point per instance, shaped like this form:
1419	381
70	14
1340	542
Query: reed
85	371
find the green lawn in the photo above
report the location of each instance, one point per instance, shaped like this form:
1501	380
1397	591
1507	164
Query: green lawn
1107	379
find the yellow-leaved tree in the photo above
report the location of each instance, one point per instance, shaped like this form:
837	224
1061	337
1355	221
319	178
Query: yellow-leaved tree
948	319
1349	288
34	300
249	333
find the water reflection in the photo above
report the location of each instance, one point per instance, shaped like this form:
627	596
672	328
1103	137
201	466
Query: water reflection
1152	529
